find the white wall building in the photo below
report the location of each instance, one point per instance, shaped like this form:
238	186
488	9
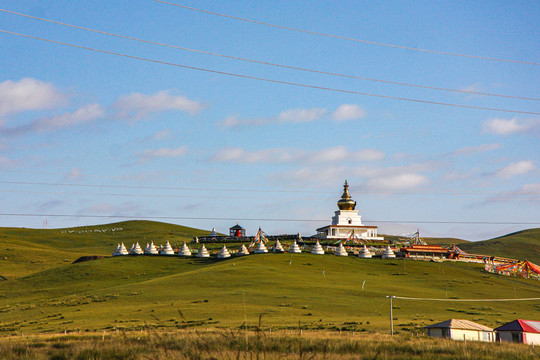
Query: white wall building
458	329
346	222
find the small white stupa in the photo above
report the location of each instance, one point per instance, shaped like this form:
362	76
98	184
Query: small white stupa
213	233
388	253
184	251
120	250
223	253
150	249
242	251
260	249
136	250
277	248
203	252
295	249
167	249
364	253
317	249
340	251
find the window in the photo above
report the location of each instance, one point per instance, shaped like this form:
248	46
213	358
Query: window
445	332
517	337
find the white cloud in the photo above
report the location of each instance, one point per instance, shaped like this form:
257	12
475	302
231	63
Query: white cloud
6	162
342	113
138	105
468	150
74	173
164	153
289	155
505	127
348	112
81	116
393	182
160	135
515	169
300	115
27	94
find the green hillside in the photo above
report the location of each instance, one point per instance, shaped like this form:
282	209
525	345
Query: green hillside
41	290
24	251
523	245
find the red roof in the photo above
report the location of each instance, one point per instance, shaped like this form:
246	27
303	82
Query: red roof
530	326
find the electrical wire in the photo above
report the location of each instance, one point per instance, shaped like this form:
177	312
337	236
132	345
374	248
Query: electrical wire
364	192
249	197
462	300
269	63
264	219
270	80
347	38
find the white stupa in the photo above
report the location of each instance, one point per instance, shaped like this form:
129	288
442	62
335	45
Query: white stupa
120	250
136	250
167	249
213	233
277	248
295	249
184	251
203	252
340	251
364	253
388	253
150	249
260	249
317	249
242	251
223	253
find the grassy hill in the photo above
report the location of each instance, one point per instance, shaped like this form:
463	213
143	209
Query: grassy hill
46	292
523	245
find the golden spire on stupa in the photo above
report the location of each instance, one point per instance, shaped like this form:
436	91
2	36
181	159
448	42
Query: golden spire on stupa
346	203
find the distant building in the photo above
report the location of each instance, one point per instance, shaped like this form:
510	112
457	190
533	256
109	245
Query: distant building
237	231
519	331
457	329
346	222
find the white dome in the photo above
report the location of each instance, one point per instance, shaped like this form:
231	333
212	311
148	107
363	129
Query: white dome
295	249
167	249
388	253
260	249
317	249
150	249
364	253
340	251
242	251
203	252
277	248
223	253
184	251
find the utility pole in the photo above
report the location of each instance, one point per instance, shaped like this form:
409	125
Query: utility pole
391	316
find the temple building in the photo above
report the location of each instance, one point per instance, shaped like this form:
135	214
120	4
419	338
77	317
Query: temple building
346	223
237	231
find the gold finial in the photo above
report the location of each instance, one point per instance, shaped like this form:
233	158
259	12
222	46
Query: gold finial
346	203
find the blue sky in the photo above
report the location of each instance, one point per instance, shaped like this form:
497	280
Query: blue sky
87	133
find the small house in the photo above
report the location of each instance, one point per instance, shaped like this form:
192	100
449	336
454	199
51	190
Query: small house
237	231
519	331
458	329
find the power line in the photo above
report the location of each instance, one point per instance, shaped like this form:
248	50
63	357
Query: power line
263	219
269	63
248	197
363	192
463	300
346	38
271	80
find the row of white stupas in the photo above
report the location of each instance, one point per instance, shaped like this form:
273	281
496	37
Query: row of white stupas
317	249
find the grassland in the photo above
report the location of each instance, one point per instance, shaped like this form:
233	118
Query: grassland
524	245
258	344
44	292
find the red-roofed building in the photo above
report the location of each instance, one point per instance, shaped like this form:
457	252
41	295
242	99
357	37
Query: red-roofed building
519	331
